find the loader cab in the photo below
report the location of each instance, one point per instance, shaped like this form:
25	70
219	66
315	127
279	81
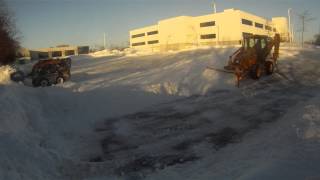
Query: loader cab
256	42
256	46
248	42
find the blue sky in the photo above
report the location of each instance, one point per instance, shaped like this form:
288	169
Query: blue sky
46	23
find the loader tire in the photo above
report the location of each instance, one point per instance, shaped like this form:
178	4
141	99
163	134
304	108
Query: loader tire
269	67
35	82
256	72
59	80
44	83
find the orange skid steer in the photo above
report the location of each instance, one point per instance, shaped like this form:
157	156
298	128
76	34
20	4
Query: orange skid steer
258	54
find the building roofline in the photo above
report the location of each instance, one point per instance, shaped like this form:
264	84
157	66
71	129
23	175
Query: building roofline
224	11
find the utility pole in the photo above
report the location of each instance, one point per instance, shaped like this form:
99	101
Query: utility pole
214	6
215	11
290	33
303	18
104	41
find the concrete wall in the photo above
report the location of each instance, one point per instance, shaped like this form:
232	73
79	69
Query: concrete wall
223	28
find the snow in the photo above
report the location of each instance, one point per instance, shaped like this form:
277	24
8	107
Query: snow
121	110
106	52
5	72
171	73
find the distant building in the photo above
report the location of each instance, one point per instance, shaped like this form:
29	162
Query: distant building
59	51
225	28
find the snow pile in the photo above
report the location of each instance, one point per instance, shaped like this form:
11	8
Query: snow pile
181	73
5	72
22	128
36	135
101	53
107	52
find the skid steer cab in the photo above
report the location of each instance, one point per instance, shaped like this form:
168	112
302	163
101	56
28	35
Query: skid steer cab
258	55
51	71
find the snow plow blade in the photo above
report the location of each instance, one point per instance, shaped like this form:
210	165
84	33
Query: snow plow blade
225	70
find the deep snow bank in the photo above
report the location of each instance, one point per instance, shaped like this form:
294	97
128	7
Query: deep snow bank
22	126
36	135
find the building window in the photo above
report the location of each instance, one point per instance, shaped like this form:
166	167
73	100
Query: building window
274	30
138	35
153	42
139	44
258	25
244	34
268	28
207	24
246	22
43	55
83	50
208	36
69	52
152	33
56	53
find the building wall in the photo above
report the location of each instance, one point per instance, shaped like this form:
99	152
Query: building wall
175	32
223	28
256	21
45	53
226	28
281	24
145	35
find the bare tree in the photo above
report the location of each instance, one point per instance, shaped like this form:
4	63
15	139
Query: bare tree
8	36
304	17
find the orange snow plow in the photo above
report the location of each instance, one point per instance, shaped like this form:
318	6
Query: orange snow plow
258	54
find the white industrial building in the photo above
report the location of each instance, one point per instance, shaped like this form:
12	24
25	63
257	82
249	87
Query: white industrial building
224	28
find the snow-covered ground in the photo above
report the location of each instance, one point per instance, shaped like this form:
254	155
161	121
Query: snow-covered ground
164	116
